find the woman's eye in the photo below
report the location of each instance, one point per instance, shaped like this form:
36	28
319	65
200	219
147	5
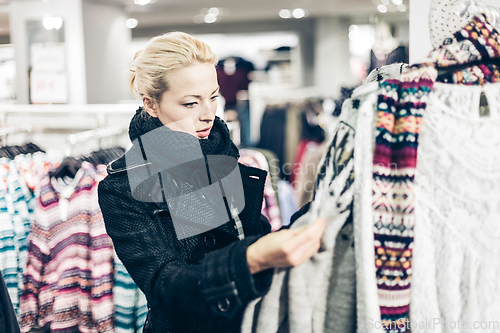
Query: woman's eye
189	105
214	97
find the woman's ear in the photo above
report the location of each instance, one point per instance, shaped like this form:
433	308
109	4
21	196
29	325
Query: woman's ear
150	106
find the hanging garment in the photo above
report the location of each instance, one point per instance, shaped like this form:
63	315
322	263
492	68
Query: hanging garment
15	219
288	204
272	133
274	171
18	179
295	301
68	277
293	133
131	306
399	120
232	82
456	261
305	175
412	92
399	54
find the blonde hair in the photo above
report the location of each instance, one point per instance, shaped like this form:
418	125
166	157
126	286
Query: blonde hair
151	66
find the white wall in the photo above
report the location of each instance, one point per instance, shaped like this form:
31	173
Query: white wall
106	45
331	65
71	12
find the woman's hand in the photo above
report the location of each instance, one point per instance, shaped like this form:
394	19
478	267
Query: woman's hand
285	248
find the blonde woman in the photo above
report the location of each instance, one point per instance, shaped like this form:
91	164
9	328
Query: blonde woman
199	258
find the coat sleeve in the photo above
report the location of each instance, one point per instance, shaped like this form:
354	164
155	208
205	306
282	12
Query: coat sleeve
220	284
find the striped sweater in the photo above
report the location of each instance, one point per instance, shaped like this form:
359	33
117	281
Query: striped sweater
68	278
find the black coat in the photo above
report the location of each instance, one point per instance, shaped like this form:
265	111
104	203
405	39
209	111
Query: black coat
197	284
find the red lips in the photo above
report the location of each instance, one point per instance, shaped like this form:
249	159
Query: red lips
204	132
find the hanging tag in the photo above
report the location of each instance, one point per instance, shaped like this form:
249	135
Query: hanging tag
484	108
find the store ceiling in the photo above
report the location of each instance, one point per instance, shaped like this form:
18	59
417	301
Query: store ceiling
171	13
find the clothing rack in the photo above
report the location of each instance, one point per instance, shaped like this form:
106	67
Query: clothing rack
6	131
99	134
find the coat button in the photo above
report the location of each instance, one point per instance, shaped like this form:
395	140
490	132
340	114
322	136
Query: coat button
209	240
224	305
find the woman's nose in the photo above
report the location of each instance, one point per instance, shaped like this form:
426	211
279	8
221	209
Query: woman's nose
208	112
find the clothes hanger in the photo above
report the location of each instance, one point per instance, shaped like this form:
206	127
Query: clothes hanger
68	168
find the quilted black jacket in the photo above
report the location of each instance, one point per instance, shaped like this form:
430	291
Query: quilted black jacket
197	284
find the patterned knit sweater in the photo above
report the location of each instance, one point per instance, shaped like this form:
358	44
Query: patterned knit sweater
68	279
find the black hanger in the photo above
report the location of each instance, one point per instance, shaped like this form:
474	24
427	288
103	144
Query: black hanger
68	168
445	73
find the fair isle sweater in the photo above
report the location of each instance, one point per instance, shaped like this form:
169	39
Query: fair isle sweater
68	278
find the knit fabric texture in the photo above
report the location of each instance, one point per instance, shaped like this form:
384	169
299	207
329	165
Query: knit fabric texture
401	103
218	142
68	278
296	301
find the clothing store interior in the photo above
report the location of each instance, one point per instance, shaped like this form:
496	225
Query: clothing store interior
333	99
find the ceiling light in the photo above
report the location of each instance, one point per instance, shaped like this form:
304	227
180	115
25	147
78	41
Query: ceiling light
213	11
393	8
131	23
285	13
402	8
209	18
142	2
353	35
382	8
353	28
397	2
385	2
50	23
298	13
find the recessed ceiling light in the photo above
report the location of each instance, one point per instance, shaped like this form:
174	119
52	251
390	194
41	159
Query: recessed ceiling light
213	11
131	23
209	18
298	13
50	23
142	2
382	8
285	13
397	2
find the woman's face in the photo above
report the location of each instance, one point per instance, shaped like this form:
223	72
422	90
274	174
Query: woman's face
191	101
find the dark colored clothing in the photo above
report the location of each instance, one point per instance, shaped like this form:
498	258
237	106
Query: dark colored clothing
272	132
200	283
400	54
8	319
231	84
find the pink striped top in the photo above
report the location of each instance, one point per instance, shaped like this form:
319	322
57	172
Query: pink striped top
68	278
